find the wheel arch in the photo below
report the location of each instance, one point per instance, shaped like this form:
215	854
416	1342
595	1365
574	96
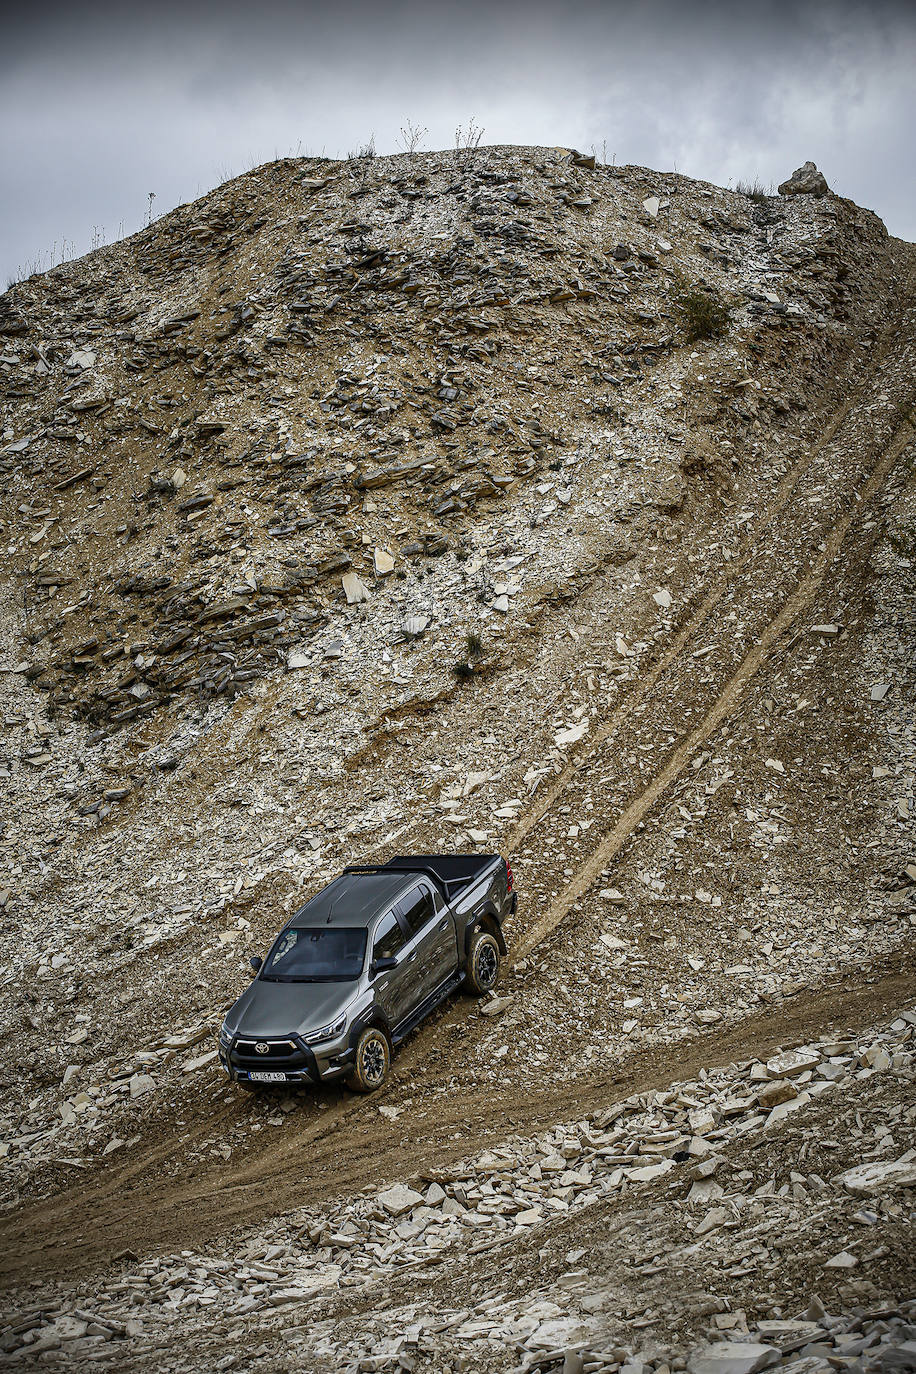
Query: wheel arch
372	1016
487	920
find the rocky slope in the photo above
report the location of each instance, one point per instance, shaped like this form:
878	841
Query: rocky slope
389	504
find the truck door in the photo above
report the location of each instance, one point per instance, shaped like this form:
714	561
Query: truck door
396	988
431	926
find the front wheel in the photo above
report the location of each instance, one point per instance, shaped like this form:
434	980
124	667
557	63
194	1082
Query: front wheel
372	1061
482	969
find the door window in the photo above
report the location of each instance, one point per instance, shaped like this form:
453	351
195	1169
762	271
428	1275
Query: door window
389	938
416	909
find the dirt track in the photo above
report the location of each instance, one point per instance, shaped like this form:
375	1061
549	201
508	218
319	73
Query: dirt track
135	1208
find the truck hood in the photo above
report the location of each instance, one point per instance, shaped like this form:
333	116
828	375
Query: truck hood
267	1009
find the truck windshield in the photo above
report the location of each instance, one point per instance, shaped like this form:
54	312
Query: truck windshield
318	955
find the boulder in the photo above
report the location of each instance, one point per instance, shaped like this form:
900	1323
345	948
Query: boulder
354	589
805	181
792	1062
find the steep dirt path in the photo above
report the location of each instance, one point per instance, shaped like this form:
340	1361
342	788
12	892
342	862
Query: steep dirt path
138	1208
643	745
753	534
722	706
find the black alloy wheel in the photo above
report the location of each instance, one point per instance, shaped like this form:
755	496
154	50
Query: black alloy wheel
483	963
372	1061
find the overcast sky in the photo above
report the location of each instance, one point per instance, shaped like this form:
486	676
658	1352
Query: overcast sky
101	104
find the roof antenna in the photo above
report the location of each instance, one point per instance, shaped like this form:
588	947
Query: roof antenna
330	911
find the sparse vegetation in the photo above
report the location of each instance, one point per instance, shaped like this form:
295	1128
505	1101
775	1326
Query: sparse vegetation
755	190
412	135
360	162
365	152
467	141
700	311
474	645
903	542
53	257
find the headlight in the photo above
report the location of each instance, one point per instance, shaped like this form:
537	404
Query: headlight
326	1032
225	1036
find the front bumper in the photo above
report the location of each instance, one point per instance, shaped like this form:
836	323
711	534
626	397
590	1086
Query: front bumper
287	1055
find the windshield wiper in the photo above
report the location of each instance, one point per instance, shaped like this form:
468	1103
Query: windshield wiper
309	977
313	978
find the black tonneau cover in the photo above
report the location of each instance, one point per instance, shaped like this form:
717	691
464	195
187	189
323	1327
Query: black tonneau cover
451	872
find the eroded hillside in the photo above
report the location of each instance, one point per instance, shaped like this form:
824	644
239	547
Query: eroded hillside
386	505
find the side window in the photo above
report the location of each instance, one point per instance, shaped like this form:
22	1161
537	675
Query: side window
416	908
388	938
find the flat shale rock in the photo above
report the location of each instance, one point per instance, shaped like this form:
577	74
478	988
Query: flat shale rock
733	1357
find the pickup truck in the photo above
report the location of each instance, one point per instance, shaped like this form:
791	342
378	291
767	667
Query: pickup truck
362	963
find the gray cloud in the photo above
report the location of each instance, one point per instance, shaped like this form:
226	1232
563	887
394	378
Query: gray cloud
101	104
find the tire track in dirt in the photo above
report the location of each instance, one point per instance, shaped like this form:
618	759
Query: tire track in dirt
713	595
725	702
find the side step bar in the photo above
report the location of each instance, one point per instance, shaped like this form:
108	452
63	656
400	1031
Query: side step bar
427	1005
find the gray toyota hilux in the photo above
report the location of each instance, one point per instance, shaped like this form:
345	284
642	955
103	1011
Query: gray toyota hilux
362	963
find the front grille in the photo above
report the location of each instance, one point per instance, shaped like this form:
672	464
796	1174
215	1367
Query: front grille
276	1049
285	1055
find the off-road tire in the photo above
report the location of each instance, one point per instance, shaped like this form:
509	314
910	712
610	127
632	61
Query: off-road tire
371	1061
482	967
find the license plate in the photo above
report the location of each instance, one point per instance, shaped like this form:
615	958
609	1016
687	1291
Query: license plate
267	1077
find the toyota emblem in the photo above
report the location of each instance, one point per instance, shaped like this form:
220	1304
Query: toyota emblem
261	1048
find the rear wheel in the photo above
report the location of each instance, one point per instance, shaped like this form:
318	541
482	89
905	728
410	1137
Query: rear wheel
372	1061
482	969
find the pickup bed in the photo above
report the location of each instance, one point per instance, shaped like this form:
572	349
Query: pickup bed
362	963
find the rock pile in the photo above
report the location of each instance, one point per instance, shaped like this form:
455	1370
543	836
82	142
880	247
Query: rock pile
211	421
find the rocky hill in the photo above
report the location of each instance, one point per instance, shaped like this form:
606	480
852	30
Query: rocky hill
490	499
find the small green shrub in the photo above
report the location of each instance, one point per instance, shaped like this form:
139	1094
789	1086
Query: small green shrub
474	645
904	542
701	312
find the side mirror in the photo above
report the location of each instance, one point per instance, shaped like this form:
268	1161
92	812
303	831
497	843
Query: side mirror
381	966
256	962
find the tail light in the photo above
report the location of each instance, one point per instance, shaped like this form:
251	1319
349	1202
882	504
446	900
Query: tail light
509	878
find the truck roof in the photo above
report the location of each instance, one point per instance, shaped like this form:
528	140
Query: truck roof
354	899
